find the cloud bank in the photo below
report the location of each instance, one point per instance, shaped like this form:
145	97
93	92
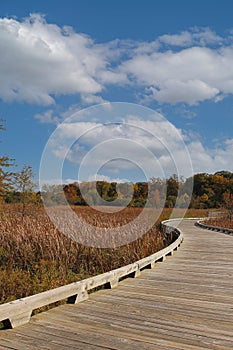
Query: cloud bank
92	144
40	61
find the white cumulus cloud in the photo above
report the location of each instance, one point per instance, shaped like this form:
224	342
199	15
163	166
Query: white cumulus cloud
196	36
140	142
40	61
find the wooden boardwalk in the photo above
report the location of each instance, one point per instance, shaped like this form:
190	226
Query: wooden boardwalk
183	303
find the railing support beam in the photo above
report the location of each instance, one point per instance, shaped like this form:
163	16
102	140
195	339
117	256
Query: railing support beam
17	320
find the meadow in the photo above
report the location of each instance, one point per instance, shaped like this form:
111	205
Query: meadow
35	256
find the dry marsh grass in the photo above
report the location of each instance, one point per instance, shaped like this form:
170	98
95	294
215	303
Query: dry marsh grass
35	256
220	222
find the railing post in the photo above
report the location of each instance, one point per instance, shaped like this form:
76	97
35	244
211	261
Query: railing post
152	265
112	283
162	259
137	273
18	320
171	253
78	298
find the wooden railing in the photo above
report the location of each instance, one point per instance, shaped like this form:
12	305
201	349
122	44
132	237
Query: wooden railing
18	312
214	228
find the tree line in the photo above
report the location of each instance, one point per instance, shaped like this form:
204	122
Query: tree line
202	191
208	191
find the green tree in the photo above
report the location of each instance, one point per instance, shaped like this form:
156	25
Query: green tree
25	185
5	176
172	186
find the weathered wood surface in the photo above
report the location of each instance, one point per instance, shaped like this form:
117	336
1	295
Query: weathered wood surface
183	303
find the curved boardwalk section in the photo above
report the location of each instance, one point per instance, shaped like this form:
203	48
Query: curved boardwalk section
185	302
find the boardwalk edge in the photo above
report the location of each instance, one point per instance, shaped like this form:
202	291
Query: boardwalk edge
227	231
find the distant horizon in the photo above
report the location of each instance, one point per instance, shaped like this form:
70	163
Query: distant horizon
73	181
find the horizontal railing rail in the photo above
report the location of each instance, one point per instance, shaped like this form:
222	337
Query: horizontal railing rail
19	311
215	214
214	228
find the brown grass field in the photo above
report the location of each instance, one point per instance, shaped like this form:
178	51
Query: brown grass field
224	221
35	256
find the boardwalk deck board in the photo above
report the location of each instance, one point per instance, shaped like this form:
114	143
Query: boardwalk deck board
184	303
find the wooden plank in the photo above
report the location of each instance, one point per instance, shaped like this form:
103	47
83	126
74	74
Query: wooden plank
151	332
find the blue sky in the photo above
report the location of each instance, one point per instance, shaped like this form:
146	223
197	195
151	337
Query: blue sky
175	57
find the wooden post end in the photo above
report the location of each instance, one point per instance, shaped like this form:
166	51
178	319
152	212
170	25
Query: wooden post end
17	320
78	298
